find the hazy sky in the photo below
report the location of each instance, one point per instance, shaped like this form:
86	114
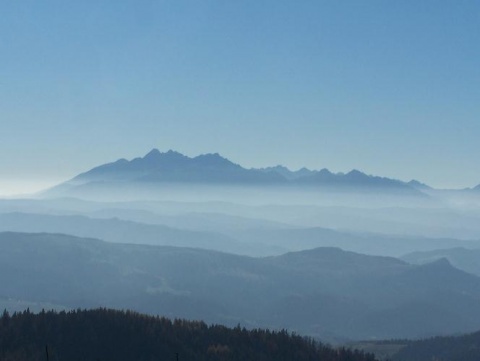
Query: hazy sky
388	87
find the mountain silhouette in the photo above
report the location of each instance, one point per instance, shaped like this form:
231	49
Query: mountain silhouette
176	167
212	169
354	178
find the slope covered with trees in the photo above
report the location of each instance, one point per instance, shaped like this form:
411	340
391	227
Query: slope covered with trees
104	334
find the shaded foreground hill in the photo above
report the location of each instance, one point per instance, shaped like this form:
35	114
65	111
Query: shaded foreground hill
103	334
325	292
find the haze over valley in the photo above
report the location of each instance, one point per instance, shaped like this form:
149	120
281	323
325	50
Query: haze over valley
339	257
231	181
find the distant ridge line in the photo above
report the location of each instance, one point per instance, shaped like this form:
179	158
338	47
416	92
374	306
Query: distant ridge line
173	167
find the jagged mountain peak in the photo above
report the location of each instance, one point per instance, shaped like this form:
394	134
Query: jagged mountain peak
278	167
156	154
153	153
215	156
287	173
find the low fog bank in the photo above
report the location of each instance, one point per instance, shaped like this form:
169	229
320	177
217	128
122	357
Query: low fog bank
254	220
252	195
248	230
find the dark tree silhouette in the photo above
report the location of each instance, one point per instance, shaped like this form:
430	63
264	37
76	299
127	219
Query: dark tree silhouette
104	334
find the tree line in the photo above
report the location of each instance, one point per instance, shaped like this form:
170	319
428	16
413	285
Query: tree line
113	335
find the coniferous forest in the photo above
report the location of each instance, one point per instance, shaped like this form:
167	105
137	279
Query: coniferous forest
104	334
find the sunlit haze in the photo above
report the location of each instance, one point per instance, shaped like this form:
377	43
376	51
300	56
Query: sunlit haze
24	187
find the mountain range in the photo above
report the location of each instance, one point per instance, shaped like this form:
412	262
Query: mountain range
212	169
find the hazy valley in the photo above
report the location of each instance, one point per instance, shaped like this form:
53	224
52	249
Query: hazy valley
338	257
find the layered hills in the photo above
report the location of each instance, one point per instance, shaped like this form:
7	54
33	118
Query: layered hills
221	233
325	292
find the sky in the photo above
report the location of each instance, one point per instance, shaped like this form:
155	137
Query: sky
387	87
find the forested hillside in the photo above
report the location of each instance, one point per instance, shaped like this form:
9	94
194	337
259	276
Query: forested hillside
104	334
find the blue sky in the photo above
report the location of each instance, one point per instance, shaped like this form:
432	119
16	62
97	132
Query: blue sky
387	87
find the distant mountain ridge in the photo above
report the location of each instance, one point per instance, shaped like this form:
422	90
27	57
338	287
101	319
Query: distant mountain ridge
176	167
213	169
